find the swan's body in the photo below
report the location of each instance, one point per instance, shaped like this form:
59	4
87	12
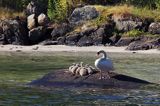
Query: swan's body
103	63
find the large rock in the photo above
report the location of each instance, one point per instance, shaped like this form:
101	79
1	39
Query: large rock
101	36
72	38
85	41
60	31
43	20
63	78
13	32
61	40
37	35
144	43
82	14
125	41
31	21
127	23
154	28
115	38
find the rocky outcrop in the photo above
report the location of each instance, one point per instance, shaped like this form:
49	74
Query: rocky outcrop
125	41
72	38
154	28
127	23
60	30
13	32
63	78
37	35
85	41
144	43
82	14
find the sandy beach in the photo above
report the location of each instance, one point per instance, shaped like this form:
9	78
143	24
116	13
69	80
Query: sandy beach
63	48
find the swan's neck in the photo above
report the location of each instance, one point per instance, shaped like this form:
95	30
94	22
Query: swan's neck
104	55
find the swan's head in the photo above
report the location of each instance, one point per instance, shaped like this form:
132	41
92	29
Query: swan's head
101	51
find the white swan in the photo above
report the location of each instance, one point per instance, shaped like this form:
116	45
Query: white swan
104	63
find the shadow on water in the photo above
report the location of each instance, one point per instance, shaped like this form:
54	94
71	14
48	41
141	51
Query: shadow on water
20	95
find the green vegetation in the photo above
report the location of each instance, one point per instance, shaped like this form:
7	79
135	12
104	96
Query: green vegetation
57	10
133	33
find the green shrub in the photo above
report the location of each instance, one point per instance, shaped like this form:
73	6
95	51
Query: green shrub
57	10
158	4
133	33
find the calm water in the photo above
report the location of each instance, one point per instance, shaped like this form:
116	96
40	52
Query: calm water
18	69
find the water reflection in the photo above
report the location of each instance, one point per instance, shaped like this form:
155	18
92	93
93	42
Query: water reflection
77	96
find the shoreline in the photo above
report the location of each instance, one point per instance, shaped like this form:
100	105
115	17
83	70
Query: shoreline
64	48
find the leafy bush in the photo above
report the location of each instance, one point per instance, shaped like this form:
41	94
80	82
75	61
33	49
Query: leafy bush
57	10
158	4
133	33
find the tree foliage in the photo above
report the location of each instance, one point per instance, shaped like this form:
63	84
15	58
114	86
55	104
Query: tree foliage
57	9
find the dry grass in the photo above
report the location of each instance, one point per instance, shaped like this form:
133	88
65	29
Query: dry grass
7	13
123	10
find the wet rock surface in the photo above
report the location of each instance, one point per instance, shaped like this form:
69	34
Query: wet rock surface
63	78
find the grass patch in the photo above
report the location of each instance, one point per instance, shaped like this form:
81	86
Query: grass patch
133	33
126	10
6	13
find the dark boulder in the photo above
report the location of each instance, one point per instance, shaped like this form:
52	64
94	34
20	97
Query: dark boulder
83	14
63	78
109	28
101	37
85	41
154	28
143	44
60	31
37	35
14	32
125	41
61	40
127	23
115	38
138	45
72	38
